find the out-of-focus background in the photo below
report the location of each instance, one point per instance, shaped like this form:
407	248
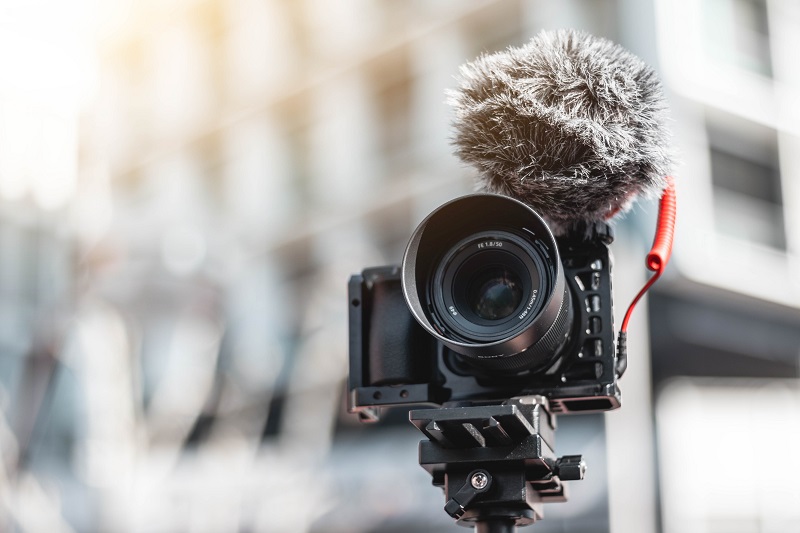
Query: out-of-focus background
186	185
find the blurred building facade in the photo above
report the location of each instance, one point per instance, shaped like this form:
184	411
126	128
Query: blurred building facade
177	227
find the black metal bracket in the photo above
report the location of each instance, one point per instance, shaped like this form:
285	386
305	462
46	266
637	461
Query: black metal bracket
495	461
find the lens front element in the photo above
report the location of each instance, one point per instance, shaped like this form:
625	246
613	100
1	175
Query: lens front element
485	286
494	293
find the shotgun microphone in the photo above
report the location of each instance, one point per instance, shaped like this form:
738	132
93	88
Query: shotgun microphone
570	124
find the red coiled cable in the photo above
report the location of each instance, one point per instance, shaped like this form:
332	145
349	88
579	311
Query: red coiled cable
656	261
662	245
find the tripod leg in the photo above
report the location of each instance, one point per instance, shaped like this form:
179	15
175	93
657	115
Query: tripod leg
495	525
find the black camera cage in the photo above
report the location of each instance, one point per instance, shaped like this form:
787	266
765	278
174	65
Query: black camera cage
394	361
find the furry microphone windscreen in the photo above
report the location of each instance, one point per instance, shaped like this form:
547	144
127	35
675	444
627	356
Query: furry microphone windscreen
571	124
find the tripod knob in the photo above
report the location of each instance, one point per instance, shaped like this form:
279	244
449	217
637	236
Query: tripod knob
570	468
478	482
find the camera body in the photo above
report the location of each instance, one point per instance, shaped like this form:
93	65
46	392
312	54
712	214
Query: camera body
405	345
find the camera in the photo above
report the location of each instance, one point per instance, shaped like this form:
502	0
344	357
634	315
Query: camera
487	306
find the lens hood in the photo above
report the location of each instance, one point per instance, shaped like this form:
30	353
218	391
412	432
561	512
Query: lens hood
468	239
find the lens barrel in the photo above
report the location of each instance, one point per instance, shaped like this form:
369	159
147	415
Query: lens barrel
483	275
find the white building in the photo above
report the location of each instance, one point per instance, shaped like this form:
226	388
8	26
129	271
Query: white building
175	263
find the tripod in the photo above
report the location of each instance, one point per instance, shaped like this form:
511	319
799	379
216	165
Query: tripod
495	462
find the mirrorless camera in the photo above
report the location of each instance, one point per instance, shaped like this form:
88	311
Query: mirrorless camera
487	306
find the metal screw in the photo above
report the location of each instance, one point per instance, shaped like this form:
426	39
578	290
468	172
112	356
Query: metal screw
479	480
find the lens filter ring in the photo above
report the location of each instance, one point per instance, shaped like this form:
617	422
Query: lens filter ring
465	271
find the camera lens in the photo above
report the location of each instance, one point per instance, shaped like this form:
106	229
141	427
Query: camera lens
494	293
485	286
491	288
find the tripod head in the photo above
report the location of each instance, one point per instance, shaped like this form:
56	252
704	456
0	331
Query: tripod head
495	463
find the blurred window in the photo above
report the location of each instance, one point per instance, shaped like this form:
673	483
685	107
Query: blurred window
737	33
390	81
708	431
496	28
746	178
